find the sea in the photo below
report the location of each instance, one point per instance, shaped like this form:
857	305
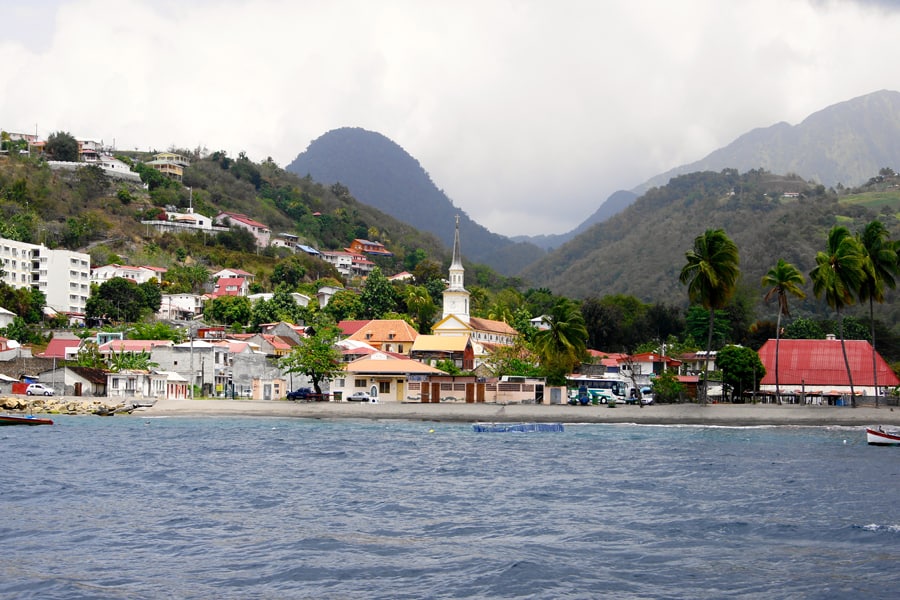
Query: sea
259	508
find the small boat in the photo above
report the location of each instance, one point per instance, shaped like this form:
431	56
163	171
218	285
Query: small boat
517	427
878	436
24	420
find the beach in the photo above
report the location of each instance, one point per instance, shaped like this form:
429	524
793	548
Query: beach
742	415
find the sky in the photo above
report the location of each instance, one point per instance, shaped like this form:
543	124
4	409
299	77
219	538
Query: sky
528	114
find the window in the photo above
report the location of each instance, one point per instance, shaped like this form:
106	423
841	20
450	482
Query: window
360	383
384	387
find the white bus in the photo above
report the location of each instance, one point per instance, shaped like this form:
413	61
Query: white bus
600	387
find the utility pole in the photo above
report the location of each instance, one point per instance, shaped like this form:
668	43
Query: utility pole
191	367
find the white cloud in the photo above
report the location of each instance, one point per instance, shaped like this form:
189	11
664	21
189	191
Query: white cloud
527	113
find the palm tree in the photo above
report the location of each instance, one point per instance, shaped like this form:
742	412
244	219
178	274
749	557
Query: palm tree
711	274
881	265
838	274
563	344
782	279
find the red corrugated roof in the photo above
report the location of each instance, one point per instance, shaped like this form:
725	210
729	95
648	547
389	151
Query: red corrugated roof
821	363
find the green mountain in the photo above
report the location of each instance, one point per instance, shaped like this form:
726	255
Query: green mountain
641	250
380	173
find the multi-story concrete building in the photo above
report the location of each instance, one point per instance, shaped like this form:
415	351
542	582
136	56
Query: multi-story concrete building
63	276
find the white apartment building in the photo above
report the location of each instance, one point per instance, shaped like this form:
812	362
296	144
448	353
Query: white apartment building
63	276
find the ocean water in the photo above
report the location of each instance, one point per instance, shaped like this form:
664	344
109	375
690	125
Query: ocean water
132	508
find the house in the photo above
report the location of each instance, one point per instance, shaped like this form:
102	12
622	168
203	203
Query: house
175	220
288	330
430	349
348	264
350	327
76	381
646	365
816	368
360	246
260	231
170	164
234	274
6	317
402	276
230	286
382	376
390	335
131	346
692	363
273	345
299	299
180	307
135	274
325	293
62	347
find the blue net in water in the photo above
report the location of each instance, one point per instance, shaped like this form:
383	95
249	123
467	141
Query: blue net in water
517	427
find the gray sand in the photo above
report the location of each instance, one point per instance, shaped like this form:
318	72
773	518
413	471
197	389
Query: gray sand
670	414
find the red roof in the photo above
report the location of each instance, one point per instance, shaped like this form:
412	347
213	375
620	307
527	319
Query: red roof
348	328
57	347
821	362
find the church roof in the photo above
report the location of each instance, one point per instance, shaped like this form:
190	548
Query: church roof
479	324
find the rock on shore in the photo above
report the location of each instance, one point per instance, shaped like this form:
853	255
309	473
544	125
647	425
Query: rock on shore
63	406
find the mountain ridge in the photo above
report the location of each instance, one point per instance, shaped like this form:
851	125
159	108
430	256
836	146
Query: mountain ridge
380	173
844	143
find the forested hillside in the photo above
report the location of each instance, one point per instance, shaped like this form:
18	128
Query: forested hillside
641	251
86	210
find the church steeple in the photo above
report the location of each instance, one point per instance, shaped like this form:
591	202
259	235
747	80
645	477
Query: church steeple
456	297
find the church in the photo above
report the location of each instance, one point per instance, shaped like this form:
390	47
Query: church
485	334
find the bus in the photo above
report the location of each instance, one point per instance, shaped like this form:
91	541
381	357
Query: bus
599	387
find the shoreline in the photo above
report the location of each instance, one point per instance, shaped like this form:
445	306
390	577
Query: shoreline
667	414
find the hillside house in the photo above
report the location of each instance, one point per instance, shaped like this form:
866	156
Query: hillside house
260	231
170	164
360	246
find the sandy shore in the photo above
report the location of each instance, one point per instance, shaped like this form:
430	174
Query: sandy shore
672	414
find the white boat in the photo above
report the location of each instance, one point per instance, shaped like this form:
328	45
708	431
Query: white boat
879	436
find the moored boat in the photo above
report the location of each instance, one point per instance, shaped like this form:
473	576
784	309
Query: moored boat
24	420
878	436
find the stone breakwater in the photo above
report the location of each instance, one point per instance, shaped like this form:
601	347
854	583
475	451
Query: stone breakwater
63	406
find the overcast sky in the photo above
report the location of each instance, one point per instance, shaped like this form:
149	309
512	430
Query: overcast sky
528	114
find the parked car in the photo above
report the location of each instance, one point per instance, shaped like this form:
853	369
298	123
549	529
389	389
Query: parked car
359	397
299	394
38	389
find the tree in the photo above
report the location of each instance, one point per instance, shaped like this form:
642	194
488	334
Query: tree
420	304
378	296
344	305
230	310
316	355
126	361
838	275
155	331
122	299
563	345
741	368
62	145
666	387
782	279
711	274
880	257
